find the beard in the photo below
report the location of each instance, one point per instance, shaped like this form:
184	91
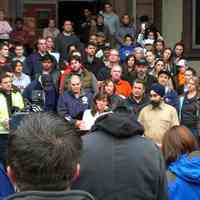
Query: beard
155	104
141	75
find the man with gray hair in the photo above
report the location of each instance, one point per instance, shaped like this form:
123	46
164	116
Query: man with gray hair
72	103
138	53
123	87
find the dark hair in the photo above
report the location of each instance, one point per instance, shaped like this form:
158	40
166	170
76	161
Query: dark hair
179	44
3	75
14	63
167	73
105	83
37	42
99	96
2	44
176	141
75	57
170	58
18	44
154	45
194	73
129	36
71	45
19	19
158	60
128	57
148	30
108	3
124	15
47	57
43	153
144	18
149	50
139	82
91	44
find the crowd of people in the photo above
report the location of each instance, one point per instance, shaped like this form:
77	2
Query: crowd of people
127	96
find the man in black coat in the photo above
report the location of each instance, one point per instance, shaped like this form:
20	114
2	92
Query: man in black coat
119	163
137	100
91	63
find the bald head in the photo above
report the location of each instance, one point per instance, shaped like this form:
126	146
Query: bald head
75	84
116	73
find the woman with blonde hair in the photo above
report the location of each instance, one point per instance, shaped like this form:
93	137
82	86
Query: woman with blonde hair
189	107
183	163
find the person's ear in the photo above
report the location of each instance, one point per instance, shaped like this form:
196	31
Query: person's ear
11	175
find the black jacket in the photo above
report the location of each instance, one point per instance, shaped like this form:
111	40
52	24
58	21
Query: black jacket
190	112
94	66
148	81
135	106
118	163
39	195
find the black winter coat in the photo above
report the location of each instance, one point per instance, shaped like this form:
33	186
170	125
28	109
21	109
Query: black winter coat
119	164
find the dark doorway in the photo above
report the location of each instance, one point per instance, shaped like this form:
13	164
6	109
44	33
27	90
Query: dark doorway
73	10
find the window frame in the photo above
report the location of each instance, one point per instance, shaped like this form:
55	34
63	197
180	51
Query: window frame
192	51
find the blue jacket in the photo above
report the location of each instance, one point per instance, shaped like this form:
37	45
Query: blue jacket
72	108
124	51
48	100
33	65
6	187
171	98
186	181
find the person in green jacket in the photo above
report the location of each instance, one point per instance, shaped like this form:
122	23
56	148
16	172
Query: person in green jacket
10	101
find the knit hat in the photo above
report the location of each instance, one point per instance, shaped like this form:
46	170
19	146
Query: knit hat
159	89
141	62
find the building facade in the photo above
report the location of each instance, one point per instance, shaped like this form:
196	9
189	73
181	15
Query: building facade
176	20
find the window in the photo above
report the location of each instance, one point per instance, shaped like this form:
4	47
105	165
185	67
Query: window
191	28
195	24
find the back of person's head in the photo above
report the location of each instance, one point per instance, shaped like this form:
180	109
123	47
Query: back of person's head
43	153
176	141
